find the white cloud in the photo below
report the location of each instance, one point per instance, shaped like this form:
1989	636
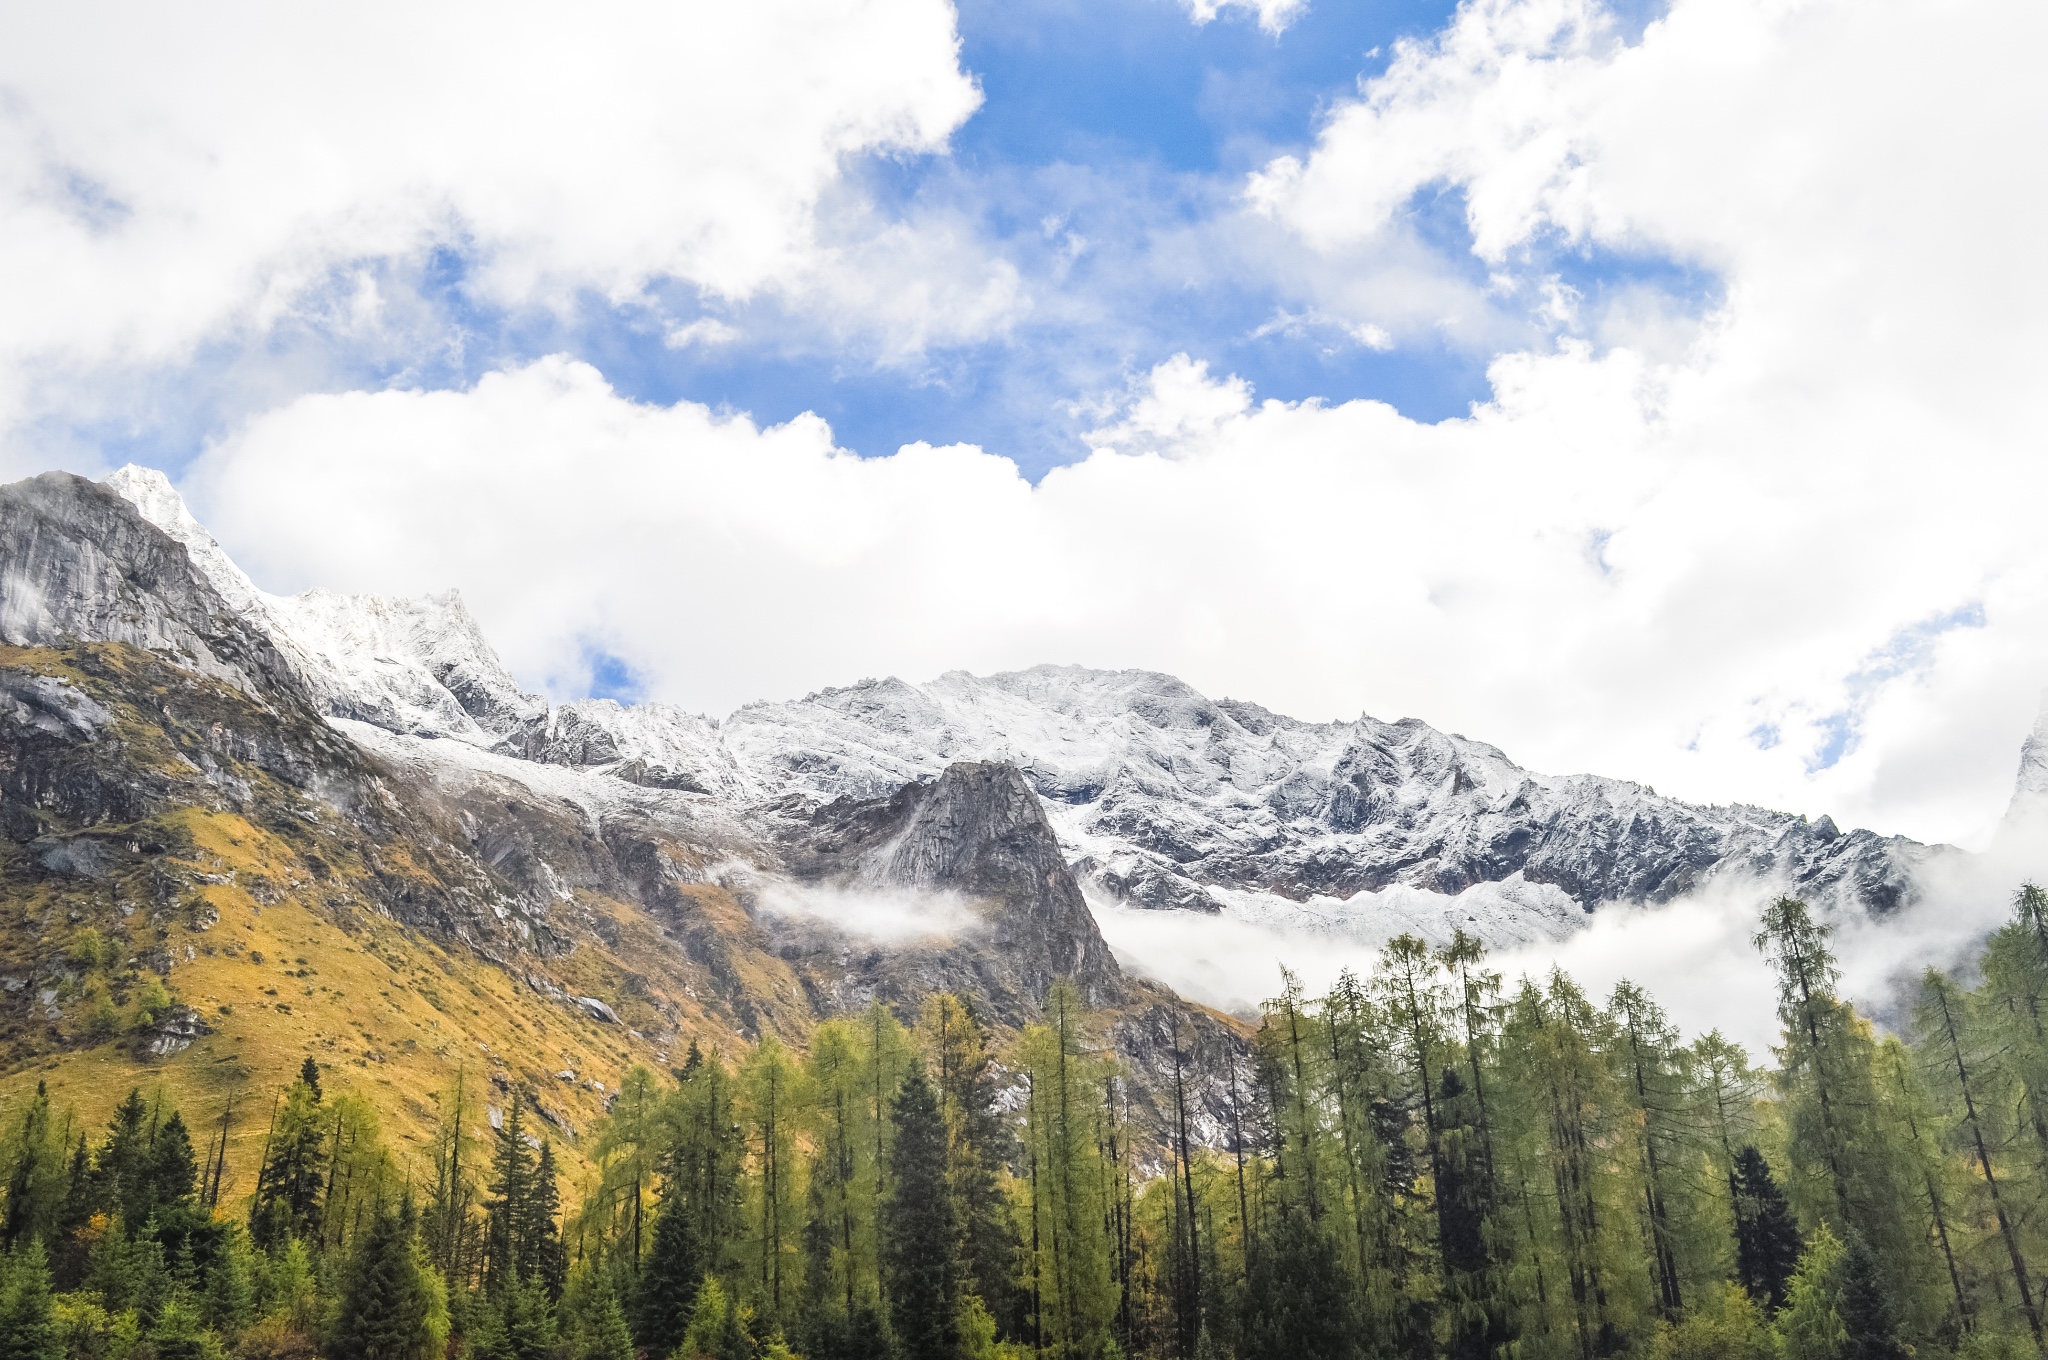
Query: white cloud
175	176
1802	532
1273	15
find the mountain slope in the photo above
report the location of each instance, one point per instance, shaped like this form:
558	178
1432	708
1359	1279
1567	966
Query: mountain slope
1161	797
192	857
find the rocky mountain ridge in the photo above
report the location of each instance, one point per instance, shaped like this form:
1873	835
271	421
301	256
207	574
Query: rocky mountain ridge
181	752
1161	797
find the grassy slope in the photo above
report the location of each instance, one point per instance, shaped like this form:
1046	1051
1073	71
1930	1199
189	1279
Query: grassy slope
268	919
275	914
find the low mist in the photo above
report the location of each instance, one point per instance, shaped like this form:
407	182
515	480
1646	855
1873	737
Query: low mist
881	916
1695	954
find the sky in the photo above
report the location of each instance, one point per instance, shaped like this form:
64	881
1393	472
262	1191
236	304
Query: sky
1650	389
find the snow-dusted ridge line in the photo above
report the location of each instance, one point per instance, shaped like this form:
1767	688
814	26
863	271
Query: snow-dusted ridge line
1161	797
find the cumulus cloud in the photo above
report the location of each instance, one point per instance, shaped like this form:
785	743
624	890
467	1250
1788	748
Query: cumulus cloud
1784	553
1562	574
174	177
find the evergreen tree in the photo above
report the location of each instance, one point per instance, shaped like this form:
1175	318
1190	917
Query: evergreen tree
179	1334
172	1173
718	1327
384	1304
509	1246
309	1073
1870	1320
1767	1245
1296	1305
603	1324
33	1166
121	1183
543	1214
289	1185
516	1323
919	1231
671	1274
229	1303
28	1328
979	1146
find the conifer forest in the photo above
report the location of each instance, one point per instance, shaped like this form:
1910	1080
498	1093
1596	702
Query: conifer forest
1433	1160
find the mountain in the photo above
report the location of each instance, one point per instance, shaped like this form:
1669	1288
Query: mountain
1161	798
189	765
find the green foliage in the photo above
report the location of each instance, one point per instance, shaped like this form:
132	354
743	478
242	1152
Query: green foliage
181	1334
152	1004
1418	1165
28	1324
1812	1322
720	1329
384	1301
671	1273
595	1323
1727	1326
920	1246
1766	1239
290	1186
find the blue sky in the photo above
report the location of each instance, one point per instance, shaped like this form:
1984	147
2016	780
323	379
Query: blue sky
1709	454
1122	124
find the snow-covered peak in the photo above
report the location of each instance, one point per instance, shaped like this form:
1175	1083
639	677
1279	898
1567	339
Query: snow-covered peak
418	666
1161	796
152	494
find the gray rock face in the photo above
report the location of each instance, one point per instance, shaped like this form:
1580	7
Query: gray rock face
979	831
1164	796
78	563
1158	796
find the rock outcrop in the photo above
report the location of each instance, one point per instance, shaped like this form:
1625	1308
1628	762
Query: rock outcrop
979	832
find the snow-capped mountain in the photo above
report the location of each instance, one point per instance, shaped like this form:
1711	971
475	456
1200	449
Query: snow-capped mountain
1162	798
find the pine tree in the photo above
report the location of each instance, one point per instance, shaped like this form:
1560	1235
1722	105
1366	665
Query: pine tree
289	1185
605	1335
1870	1320
919	1231
28	1328
542	1225
383	1314
517	1323
671	1273
309	1073
180	1335
508	1233
229	1303
1296	1305
1767	1246
121	1165
34	1175
718	1326
978	1147
172	1172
